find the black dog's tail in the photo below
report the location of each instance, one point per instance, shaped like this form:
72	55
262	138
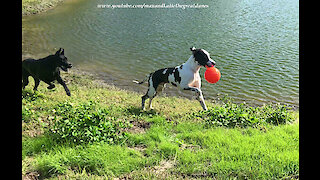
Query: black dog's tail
141	82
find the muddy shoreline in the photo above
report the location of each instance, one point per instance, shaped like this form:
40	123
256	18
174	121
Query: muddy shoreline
168	91
38	6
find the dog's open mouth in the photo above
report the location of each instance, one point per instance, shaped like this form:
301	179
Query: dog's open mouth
65	68
209	64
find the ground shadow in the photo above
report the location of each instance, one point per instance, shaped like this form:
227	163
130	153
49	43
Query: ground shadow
30	95
132	110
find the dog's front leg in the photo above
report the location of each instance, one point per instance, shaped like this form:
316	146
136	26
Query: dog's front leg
201	100
199	96
64	85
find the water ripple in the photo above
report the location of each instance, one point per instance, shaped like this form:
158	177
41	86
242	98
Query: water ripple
255	44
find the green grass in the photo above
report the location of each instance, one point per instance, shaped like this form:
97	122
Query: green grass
100	159
246	153
100	132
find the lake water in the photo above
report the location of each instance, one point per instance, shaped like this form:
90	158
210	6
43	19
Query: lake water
255	43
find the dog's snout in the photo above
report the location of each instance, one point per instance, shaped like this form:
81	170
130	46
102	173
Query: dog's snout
211	63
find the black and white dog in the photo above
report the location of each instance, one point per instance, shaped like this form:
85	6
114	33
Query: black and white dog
46	69
186	77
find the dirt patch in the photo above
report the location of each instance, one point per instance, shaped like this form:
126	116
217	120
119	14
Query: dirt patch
291	177
139	126
31	176
190	146
141	148
162	171
198	176
163	167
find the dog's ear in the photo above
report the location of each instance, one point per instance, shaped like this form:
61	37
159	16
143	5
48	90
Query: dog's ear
193	49
62	52
58	52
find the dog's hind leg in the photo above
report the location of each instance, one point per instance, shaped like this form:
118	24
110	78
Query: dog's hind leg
25	78
143	98
25	81
159	90
150	103
151	93
36	83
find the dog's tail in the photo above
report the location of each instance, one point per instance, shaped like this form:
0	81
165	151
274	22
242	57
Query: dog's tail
141	82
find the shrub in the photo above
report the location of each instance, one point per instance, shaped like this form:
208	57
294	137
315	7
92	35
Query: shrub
277	115
240	115
86	124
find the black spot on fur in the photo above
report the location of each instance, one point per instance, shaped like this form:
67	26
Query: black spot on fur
158	76
177	76
173	84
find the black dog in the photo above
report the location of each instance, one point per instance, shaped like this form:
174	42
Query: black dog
46	69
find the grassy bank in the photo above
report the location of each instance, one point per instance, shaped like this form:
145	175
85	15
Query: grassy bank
100	132
36	6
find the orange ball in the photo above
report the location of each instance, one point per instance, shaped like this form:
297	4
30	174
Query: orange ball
212	74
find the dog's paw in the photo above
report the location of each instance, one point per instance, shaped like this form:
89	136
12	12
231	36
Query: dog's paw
51	86
68	93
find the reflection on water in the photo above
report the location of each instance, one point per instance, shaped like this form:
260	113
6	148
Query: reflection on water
254	42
